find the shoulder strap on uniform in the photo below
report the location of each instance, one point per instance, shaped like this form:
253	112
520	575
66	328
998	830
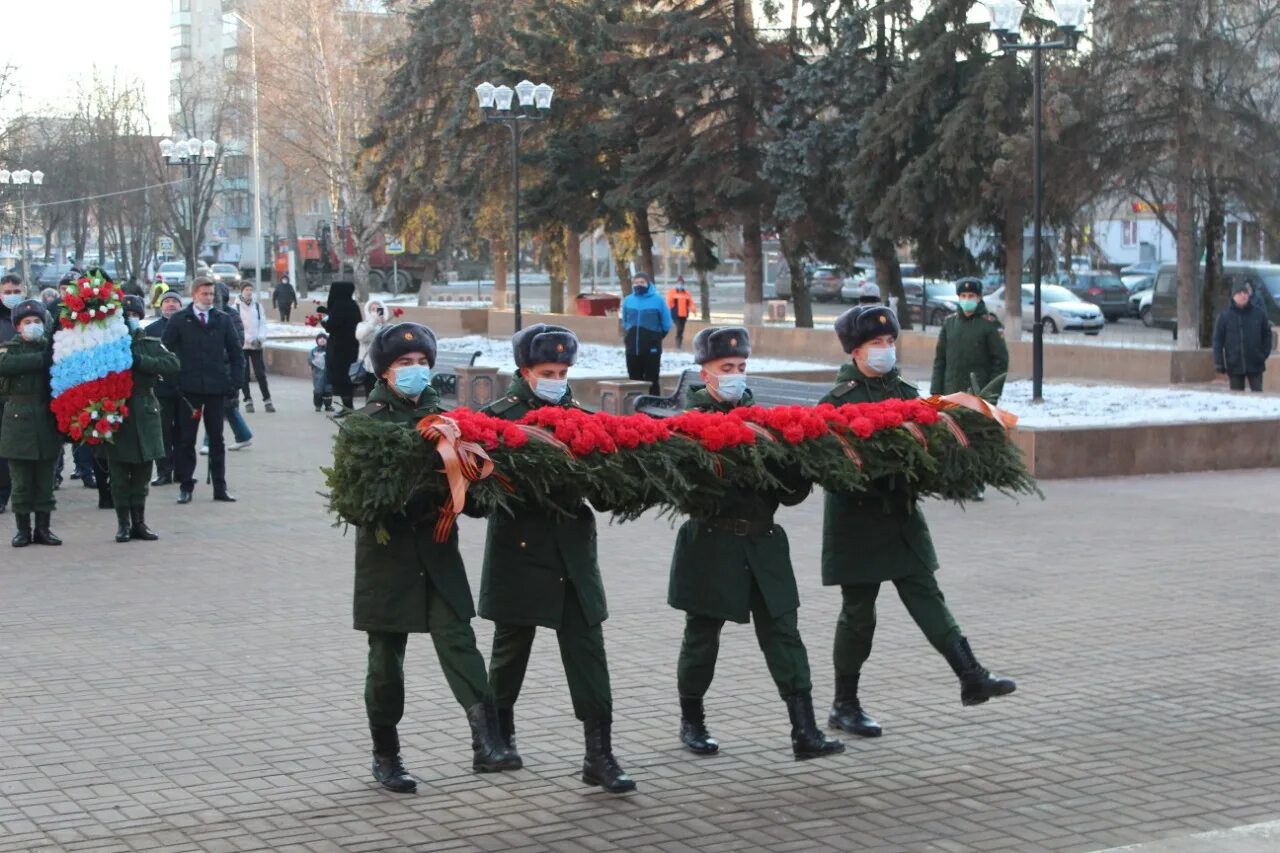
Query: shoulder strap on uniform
370	408
845	387
506	403
911	385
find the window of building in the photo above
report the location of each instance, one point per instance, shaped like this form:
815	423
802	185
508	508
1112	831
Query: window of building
1129	233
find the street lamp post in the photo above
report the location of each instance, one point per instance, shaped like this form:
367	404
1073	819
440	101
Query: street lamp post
257	197
190	154
21	178
534	102
1006	24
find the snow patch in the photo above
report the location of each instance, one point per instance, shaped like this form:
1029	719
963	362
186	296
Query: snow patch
1068	405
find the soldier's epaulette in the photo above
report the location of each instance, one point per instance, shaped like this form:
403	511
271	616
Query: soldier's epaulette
911	385
845	387
498	407
370	408
992	318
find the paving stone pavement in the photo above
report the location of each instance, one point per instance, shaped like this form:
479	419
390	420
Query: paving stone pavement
204	692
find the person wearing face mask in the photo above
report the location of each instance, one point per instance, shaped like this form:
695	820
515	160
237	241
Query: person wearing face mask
412	584
30	439
140	439
881	535
166	391
541	571
971	355
254	320
375	317
11	293
707	578
205	341
646	320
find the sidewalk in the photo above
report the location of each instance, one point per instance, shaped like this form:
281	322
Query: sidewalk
203	693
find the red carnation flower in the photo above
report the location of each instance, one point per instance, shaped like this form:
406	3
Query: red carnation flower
84	419
103	426
76	433
109	406
83	317
124	411
93	439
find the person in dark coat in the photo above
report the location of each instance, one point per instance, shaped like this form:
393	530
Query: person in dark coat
167	394
140	439
971	354
30	439
1242	340
708	581
341	317
284	298
413	584
12	293
881	535
541	571
205	342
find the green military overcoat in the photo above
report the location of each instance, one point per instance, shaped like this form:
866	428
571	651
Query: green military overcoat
712	570
141	436
393	580
529	556
881	535
30	430
971	352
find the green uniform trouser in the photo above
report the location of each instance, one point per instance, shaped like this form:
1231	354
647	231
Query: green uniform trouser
779	638
130	483
857	623
455	644
581	650
32	485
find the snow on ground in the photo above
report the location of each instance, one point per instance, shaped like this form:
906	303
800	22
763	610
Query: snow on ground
602	360
1067	405
289	330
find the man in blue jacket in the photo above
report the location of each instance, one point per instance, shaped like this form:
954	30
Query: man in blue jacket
646	319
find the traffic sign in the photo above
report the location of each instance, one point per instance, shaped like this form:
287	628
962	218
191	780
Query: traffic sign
164	244
395	246
679	244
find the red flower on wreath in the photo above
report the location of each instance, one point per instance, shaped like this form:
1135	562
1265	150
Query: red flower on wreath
397	312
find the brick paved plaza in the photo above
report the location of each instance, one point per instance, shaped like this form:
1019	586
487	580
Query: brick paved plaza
204	692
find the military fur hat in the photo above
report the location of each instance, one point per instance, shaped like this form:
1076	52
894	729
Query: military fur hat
969	285
544	344
399	339
862	323
30	308
716	343
134	305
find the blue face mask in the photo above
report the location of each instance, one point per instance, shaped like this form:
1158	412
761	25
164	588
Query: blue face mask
133	323
880	360
33	331
551	390
412	380
731	386
11	300
968	306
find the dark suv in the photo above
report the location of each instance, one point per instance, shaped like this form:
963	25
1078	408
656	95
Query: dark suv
1265	279
1104	289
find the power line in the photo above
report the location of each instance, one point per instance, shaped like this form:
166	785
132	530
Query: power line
106	195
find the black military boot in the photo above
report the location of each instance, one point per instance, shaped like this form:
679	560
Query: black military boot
846	711
104	500
387	769
138	528
507	731
43	535
807	741
693	727
163	478
599	767
23	537
122	524
488	753
976	684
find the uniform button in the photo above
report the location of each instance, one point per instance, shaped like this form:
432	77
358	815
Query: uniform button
522	544
561	580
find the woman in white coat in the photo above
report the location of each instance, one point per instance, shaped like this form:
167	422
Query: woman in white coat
375	317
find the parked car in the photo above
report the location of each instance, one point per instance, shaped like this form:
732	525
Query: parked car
174	274
226	273
1144	307
1060	310
1141	268
935	299
1103	289
51	274
1137	285
1265	279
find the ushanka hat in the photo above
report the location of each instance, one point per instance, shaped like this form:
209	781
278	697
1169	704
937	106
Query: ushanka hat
716	343
391	342
544	344
860	324
134	305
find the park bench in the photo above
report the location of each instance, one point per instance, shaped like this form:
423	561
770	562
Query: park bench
444	375
766	390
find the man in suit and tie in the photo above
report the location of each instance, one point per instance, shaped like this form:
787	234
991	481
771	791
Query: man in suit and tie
205	341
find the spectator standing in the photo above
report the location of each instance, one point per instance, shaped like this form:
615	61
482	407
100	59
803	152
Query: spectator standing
284	298
971	354
341	317
254	320
205	342
321	390
680	304
646	320
167	394
1242	340
375	317
12	294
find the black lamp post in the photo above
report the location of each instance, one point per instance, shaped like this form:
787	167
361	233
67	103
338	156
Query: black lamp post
534	102
1006	24
190	154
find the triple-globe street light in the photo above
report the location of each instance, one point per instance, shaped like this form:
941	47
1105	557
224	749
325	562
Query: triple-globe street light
190	154
22	178
532	103
1006	25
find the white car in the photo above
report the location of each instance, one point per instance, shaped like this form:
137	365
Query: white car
1060	309
1144	308
226	273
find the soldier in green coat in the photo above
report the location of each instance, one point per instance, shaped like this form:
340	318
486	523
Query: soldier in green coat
736	566
413	584
880	536
30	439
971	354
541	571
140	439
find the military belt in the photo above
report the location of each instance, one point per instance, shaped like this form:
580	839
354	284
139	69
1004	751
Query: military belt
740	526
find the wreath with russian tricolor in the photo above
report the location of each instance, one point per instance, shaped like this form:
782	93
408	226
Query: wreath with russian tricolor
92	376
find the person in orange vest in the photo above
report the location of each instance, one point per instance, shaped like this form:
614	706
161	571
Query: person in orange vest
680	301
